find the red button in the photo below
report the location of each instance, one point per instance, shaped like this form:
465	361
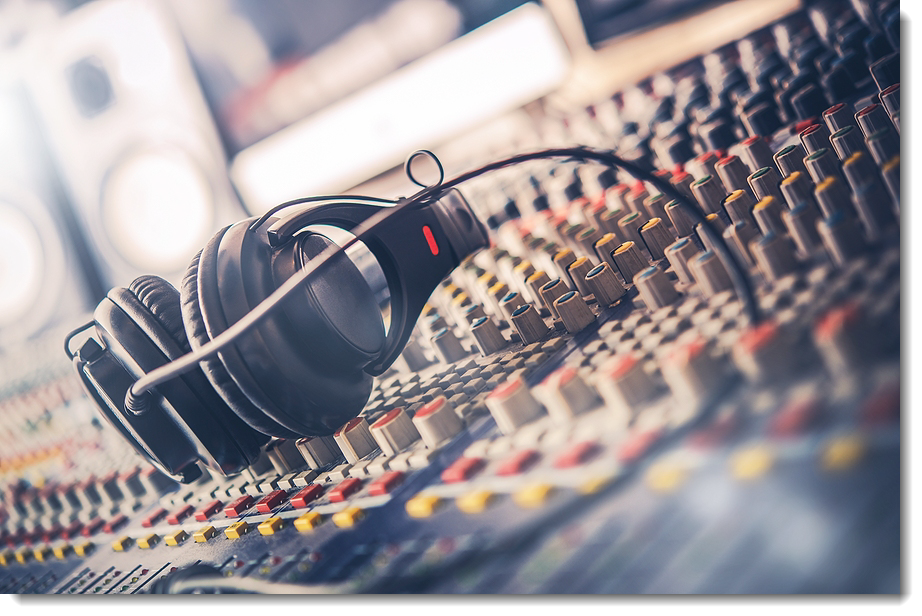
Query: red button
345	489
92	527
306	495
386	483
577	454
208	510
271	500
52	533
154	518
462	469
238	506
637	445
718	432
181	514
883	406
115	523
518	462
72	530
795	417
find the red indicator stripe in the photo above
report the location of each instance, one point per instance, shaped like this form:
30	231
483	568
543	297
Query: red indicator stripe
430	239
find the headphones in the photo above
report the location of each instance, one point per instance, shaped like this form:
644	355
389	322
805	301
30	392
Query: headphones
252	347
303	370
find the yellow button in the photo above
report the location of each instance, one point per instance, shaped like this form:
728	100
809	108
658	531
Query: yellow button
348	518
423	505
308	521
23	556
41	553
237	529
149	541
595	484
6	557
122	544
85	549
533	495
843	453
665	476
204	534
476	501
269	526
752	462
176	538
61	551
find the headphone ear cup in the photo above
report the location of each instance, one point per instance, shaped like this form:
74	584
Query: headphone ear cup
213	367
154	306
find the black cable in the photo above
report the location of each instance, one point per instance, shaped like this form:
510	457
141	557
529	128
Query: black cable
187	362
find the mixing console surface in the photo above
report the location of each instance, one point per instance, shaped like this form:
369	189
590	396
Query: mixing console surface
585	407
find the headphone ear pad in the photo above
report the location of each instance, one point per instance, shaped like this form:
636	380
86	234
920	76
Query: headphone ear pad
160	298
213	367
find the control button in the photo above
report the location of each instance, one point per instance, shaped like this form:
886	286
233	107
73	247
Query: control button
23	556
318	451
756	153
528	324
423	505
563	259
271	500
307	522
208	510
624	385
666	476
656	236
41	553
518	463
577	271
386	483
437	422
841	337
797	188
394	432
447	347
6	558
765	183
176	538
733	173
347	518
204	534
822	164
355	440
573	312
710	274
565	395
510	302
115	523
534	495
84	549
763	353
607	245
270	526
577	454
847	141
489	339
767	214
740	236
709	193
841	237
181	514
790	159
121	545
815	138
306	495
236	507
604	285
752	462
679	218
872	119
154	518
655	288
796	417
838	116
774	255
678	254
535	282
550	292
692	374
462	469
475	502
512	405
345	489
629	261
237	530
62	551
148	542
843	452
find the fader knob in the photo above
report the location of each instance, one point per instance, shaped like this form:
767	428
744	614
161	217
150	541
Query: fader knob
565	394
394	431
318	451
437	422
512	405
355	439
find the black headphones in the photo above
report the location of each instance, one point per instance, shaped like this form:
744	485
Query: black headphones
301	365
304	370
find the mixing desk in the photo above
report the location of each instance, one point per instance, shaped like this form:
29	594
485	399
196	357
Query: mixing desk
584	407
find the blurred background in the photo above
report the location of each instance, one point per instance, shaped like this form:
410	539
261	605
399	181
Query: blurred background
131	130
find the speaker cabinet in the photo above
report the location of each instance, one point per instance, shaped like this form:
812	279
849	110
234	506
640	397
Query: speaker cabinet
133	137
